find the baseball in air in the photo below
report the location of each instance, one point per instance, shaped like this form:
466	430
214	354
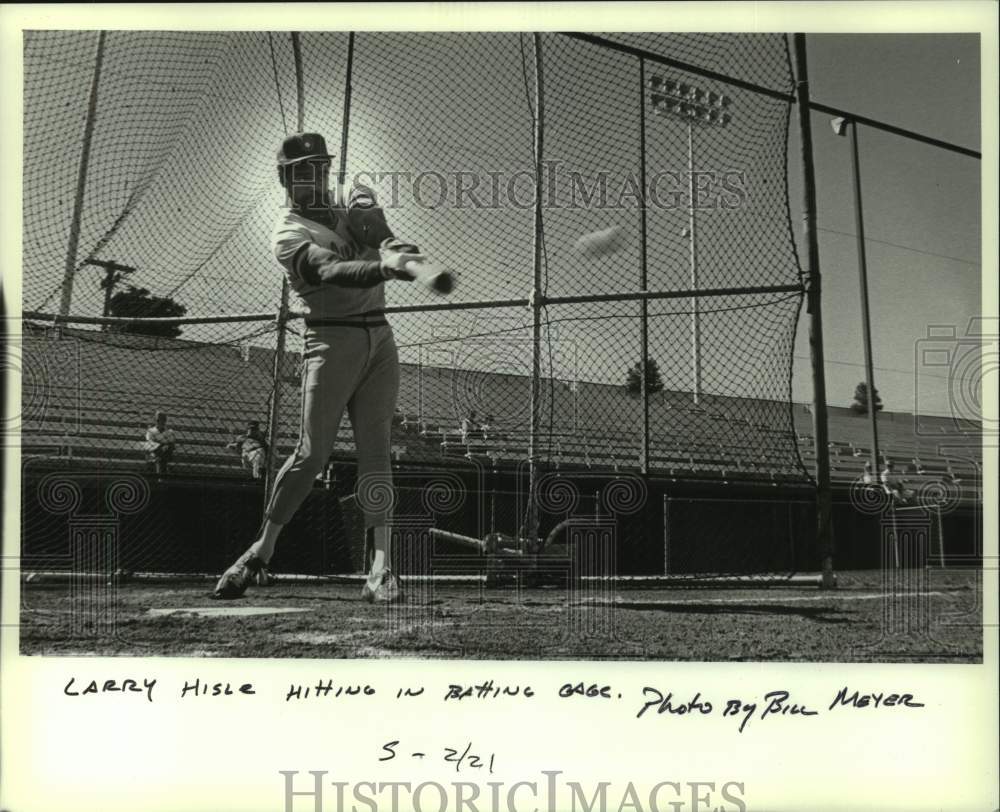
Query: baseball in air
601	243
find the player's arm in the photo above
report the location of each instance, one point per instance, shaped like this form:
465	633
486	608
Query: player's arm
310	264
320	266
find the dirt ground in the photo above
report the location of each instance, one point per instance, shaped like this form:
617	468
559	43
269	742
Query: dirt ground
914	616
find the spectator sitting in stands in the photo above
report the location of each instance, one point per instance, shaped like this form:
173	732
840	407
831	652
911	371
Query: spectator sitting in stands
895	485
867	477
161	442
467	423
252	448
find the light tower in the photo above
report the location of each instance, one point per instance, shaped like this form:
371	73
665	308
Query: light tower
695	108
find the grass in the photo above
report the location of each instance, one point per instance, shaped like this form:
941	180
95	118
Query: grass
467	621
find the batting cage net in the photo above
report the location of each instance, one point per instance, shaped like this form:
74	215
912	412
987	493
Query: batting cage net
615	209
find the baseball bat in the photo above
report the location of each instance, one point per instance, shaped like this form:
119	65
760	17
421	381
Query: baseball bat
432	275
458	538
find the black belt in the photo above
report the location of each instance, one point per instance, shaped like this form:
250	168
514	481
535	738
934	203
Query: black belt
375	318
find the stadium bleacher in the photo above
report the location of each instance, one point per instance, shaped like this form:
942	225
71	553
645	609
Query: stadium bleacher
98	415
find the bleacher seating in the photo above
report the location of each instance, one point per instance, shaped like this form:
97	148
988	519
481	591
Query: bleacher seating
98	407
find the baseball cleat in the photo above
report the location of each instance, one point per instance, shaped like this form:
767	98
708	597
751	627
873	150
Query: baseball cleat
237	578
387	591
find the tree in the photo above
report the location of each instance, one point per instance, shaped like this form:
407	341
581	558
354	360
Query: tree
633	382
135	302
860	404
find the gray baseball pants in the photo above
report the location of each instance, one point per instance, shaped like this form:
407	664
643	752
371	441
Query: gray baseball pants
352	367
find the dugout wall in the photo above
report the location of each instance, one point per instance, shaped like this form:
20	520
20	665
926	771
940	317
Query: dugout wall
685	530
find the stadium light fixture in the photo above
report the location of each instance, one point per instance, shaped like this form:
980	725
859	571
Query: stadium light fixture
669	97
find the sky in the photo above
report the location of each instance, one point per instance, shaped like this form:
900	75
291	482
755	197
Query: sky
921	212
921	204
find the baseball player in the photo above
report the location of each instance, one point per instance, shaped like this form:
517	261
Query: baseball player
337	261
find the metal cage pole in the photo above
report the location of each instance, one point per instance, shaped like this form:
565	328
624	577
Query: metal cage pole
666	534
281	321
693	253
344	130
530	529
824	496
66	297
866	323
420	388
643	270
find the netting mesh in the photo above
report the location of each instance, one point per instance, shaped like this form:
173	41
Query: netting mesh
759	59
436	116
181	186
180	177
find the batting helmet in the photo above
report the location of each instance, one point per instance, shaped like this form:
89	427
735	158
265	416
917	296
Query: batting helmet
302	147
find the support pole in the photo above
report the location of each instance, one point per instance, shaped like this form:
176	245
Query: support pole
81	181
345	127
824	496
940	527
420	387
530	529
643	271
895	538
695	304
666	534
866	322
281	321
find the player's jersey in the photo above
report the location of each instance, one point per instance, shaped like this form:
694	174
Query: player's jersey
291	231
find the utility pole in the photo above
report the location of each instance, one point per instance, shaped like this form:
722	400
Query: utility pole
114	272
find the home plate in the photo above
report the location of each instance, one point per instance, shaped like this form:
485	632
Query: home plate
226	611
